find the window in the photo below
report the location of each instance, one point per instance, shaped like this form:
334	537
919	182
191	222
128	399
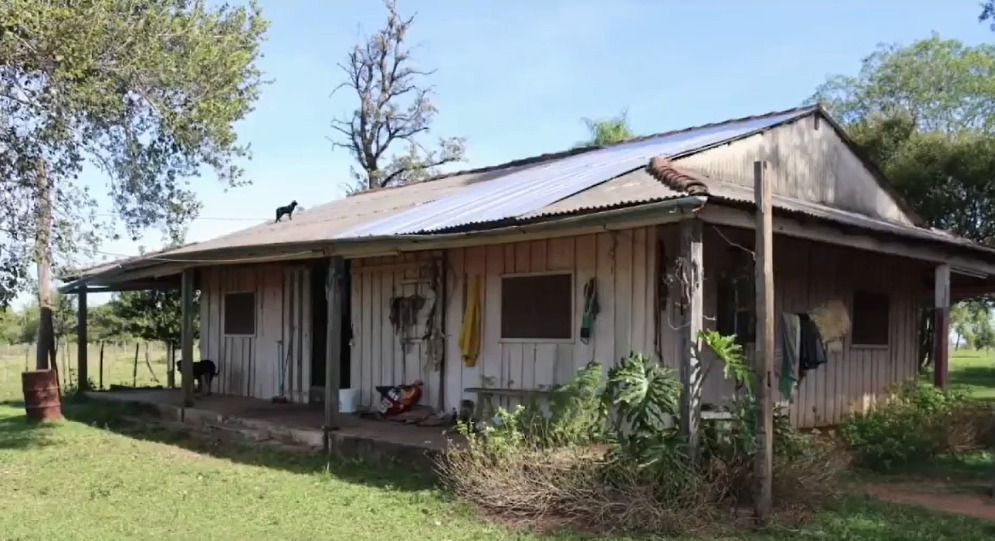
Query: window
736	309
537	307
870	319
240	313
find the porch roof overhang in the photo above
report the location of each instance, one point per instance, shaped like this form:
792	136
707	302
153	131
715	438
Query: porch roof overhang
161	270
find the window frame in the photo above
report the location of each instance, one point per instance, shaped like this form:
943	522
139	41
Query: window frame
224	313
573	307
853	319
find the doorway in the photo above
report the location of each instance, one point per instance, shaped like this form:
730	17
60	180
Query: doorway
319	327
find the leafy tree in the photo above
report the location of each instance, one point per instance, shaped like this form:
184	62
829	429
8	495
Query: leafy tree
960	322
394	110
608	131
148	92
153	315
988	13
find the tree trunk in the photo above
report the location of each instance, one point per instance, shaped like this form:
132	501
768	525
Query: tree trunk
43	260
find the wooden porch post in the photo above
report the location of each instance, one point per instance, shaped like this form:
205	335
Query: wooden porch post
764	367
83	378
333	346
187	336
692	267
941	326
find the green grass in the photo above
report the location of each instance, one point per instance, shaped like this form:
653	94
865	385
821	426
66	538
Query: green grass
973	372
89	477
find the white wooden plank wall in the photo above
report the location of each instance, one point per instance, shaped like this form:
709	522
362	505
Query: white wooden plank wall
807	275
249	365
623	264
377	355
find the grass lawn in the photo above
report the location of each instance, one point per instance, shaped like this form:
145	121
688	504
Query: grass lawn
973	372
86	478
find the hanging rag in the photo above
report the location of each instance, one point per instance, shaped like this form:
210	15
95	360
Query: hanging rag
790	342
811	348
591	310
469	338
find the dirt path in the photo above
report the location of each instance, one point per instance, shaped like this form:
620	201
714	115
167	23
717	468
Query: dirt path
938	497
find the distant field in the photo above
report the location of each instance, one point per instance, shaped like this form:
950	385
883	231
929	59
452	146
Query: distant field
118	365
973	372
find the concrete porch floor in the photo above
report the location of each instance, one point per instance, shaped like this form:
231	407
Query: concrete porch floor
298	423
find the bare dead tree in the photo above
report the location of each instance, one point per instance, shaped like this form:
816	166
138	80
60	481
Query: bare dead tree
394	110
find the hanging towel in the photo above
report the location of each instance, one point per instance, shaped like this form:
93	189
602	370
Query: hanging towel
591	309
811	349
790	341
469	338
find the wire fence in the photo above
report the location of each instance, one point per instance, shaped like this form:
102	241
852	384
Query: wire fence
134	364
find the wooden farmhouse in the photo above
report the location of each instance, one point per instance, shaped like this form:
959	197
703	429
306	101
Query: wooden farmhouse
502	281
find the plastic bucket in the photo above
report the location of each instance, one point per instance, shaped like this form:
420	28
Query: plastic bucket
347	400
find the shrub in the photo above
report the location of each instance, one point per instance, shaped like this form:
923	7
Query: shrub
917	422
612	459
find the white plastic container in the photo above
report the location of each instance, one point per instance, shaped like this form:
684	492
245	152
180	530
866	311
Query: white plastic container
347	400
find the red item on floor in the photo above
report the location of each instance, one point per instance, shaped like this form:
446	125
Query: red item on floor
399	398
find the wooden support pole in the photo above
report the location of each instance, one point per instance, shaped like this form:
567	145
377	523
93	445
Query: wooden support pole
82	344
101	384
186	334
764	369
941	326
691	271
333	345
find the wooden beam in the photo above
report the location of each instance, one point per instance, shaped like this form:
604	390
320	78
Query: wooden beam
82	373
720	215
764	268
333	345
186	339
941	326
691	270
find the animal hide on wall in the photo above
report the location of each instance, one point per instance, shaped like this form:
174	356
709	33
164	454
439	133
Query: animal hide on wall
833	322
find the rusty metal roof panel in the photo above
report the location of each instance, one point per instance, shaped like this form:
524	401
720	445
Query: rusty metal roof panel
526	191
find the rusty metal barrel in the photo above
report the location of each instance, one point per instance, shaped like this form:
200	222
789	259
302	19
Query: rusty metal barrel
41	394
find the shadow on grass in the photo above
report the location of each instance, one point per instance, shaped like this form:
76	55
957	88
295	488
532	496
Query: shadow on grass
111	417
19	432
974	376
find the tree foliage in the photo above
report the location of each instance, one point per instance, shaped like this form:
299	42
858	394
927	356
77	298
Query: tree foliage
925	113
608	131
394	110
154	316
148	92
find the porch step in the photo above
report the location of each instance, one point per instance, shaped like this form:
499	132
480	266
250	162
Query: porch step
222	434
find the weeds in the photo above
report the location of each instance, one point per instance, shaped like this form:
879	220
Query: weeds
610	458
917	422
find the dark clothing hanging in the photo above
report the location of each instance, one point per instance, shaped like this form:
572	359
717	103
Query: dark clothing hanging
811	349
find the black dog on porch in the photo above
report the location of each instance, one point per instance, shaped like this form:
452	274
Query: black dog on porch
204	372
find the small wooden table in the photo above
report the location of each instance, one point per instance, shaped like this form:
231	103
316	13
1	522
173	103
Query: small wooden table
486	394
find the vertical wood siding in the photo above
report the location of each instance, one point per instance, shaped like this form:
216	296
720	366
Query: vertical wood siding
804	162
807	275
623	263
250	365
377	355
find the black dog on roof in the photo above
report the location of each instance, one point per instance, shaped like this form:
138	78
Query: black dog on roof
287	211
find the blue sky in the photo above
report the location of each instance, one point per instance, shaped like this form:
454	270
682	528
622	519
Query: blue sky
515	77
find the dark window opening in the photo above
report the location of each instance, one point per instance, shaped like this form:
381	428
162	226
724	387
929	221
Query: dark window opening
736	310
240	313
871	317
538	307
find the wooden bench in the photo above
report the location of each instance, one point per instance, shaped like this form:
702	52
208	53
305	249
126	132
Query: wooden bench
485	395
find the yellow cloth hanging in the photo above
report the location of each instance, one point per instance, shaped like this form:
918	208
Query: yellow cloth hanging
469	337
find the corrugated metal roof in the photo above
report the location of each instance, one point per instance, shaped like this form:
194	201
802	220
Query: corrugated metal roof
744	194
580	180
520	193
